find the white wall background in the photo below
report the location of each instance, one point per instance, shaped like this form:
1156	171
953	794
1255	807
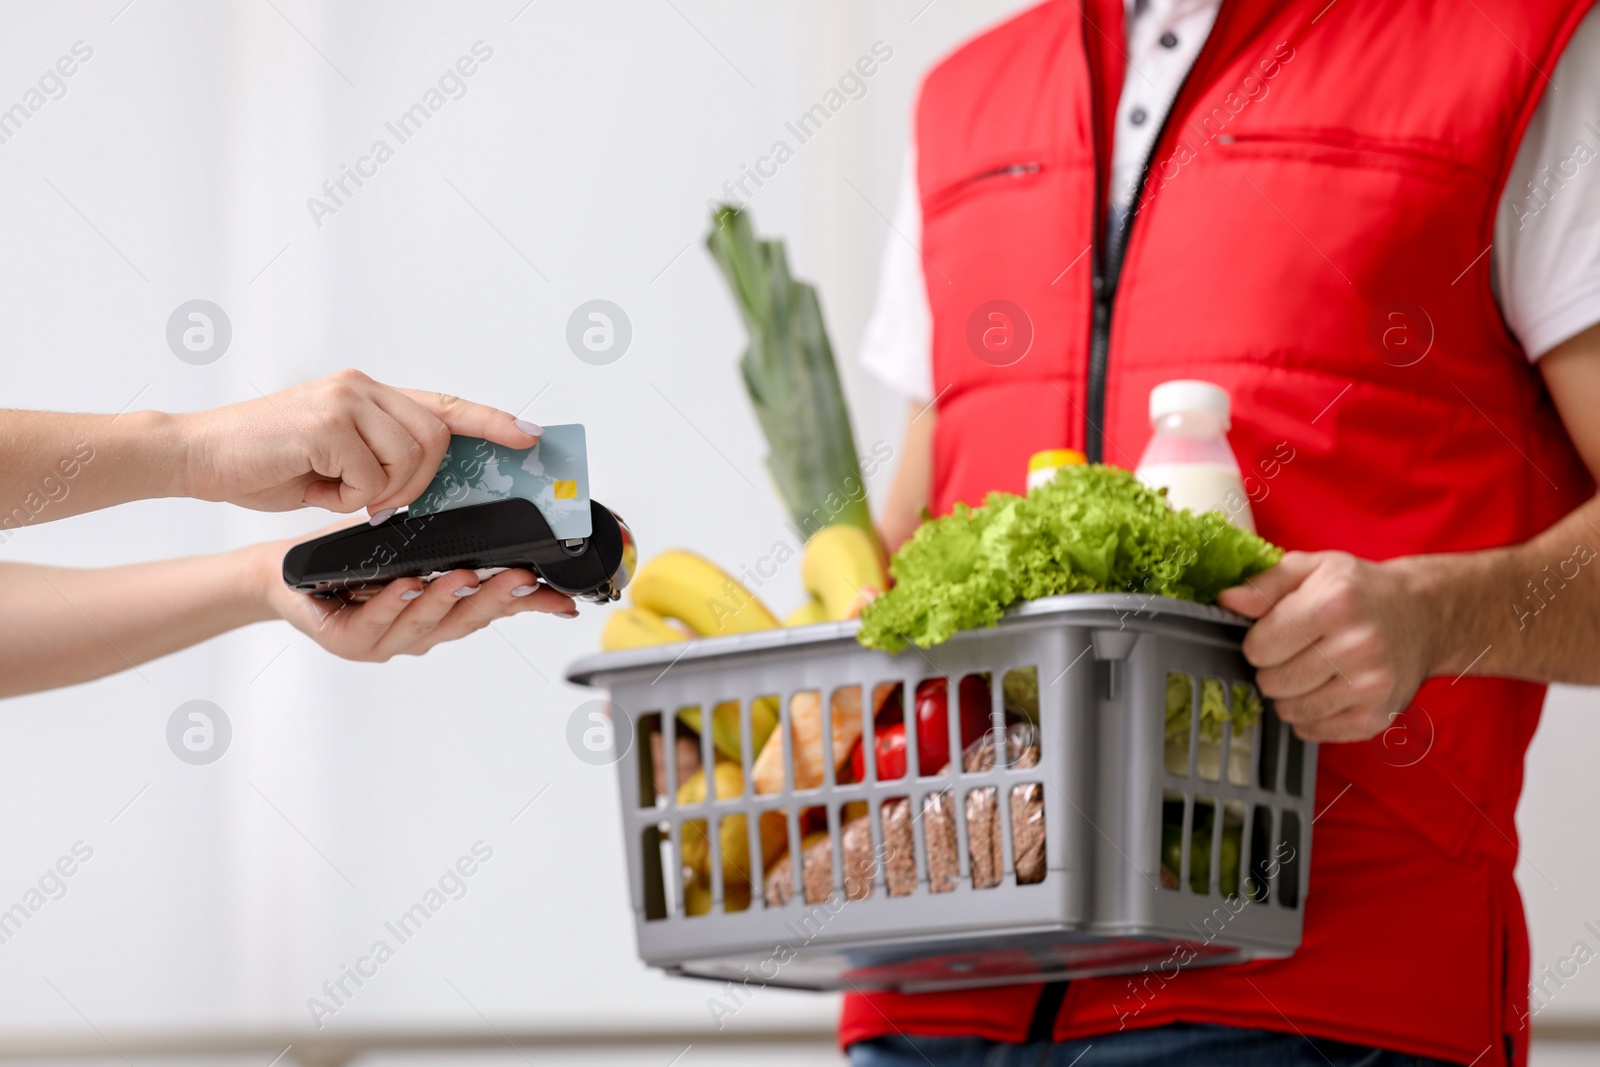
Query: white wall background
577	165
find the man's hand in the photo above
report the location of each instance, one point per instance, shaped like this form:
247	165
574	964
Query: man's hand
342	443
1341	645
405	618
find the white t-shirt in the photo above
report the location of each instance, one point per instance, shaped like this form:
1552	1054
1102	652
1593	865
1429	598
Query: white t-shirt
1544	262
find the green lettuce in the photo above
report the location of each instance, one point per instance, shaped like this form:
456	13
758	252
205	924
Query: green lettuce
1214	713
1095	529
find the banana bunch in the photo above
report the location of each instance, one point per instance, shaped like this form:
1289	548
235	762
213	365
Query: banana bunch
699	594
843	570
807	614
636	627
678	596
725	724
733	843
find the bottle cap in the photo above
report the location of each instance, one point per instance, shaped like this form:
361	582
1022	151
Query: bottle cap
1170	398
1042	466
1055	457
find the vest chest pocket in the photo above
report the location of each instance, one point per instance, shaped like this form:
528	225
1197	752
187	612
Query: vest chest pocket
997	177
1344	149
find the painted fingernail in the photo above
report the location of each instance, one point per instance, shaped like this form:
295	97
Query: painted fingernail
523	590
468	590
411	594
566	614
532	429
381	516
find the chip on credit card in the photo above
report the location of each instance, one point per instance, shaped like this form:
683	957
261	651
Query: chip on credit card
553	475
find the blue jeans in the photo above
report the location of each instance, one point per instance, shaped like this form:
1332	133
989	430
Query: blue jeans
1181	1045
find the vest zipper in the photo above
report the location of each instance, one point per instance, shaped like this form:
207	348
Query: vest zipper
1099	349
1100	314
1108	260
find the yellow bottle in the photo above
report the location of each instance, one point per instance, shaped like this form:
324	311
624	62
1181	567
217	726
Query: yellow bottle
1042	466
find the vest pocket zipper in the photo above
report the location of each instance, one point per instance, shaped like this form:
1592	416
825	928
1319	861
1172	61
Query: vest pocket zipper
1011	170
954	191
1356	145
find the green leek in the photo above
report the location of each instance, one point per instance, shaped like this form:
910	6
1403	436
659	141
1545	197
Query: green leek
789	373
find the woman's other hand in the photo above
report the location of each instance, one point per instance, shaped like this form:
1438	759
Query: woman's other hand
406	617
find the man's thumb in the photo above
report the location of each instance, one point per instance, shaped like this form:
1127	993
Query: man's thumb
1257	595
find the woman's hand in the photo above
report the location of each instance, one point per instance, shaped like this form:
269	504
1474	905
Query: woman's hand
342	443
406	617
142	611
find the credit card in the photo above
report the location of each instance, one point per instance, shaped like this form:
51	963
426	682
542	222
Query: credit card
553	474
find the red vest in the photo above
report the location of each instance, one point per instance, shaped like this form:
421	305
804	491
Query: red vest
1313	236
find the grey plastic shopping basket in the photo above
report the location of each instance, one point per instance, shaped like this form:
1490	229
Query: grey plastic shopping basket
1167	838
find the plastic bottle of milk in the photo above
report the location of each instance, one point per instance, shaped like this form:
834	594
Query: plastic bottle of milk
1188	455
